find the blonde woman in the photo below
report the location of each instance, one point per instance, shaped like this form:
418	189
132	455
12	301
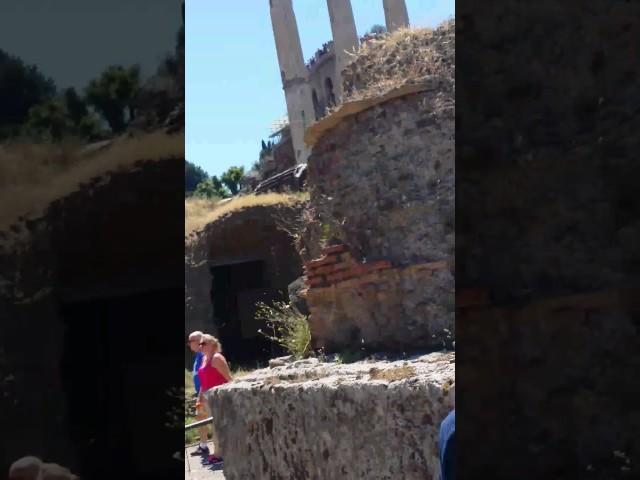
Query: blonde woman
213	372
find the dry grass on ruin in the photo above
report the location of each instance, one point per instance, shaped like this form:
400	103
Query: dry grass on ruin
200	212
392	374
406	56
33	176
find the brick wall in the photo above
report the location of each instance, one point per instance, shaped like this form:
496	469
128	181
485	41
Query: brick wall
376	304
337	265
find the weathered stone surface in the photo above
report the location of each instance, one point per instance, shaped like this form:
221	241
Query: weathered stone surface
250	233
401	157
315	420
382	183
280	361
400	309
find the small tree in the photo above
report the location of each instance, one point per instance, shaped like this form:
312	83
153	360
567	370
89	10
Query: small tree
290	328
112	95
219	187
86	124
49	121
76	106
378	29
22	87
211	188
231	179
90	127
193	175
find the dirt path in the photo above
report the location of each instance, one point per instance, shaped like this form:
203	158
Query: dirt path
194	470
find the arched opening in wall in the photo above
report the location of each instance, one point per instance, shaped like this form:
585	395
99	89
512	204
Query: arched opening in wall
236	289
331	97
316	105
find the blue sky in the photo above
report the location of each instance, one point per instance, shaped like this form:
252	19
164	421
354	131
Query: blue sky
233	89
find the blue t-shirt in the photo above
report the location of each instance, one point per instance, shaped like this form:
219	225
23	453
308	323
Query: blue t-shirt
447	443
196	366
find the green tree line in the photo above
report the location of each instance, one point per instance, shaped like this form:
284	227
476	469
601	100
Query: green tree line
198	183
34	107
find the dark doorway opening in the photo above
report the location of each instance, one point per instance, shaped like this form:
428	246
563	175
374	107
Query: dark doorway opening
236	288
316	105
331	96
120	409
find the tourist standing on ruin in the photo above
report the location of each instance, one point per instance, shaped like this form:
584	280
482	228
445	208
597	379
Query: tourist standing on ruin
194	344
213	372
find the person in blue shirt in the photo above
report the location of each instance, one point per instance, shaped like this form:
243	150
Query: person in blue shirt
447	444
194	345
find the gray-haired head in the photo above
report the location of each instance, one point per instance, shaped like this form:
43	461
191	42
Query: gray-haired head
194	340
197	335
25	468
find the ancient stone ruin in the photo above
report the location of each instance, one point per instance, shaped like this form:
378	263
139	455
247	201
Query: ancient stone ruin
236	260
318	420
377	247
388	282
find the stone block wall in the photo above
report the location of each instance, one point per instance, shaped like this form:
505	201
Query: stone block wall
381	177
377	305
382	182
385	179
246	234
373	420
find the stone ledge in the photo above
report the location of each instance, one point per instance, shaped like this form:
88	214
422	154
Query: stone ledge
371	420
315	132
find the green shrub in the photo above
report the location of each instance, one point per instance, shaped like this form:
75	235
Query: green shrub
289	328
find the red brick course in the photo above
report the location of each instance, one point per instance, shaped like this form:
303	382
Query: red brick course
335	249
316	281
318	262
338	265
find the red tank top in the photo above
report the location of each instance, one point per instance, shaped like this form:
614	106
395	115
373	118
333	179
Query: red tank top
210	376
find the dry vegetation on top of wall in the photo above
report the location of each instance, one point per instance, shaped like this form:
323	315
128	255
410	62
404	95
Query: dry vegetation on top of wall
406	56
200	212
33	176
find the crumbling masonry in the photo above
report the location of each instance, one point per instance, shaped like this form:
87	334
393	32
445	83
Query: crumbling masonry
379	277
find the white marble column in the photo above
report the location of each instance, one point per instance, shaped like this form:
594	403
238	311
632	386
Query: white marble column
293	72
345	37
395	14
